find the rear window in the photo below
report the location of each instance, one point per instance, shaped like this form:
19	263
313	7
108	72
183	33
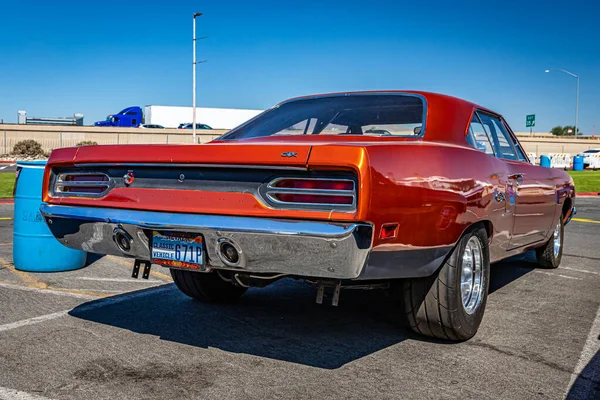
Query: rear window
374	115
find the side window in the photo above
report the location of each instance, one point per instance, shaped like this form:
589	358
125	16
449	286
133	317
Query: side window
516	144
478	138
499	135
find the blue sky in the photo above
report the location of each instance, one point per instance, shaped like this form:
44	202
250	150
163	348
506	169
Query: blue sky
62	57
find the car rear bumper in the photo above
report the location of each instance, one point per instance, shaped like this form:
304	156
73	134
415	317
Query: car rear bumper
318	249
304	248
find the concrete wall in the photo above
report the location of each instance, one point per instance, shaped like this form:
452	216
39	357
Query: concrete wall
554	145
52	137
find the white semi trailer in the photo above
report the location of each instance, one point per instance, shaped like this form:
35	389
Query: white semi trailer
216	118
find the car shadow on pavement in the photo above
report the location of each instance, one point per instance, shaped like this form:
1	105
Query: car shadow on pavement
511	269
587	384
281	322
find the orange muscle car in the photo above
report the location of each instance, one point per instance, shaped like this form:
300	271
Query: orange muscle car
413	192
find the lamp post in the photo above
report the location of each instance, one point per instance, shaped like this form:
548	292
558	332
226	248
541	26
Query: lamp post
194	75
576	95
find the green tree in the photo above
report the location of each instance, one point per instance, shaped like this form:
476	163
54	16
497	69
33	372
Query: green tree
567	130
557	130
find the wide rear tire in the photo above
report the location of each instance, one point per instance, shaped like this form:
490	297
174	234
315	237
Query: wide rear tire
549	255
440	306
206	287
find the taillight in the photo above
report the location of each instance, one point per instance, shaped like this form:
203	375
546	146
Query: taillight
312	192
81	184
315	184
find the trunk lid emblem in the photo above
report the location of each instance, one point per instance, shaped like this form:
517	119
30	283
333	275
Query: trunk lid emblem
128	178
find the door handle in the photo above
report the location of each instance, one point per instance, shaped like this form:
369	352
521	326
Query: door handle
518	177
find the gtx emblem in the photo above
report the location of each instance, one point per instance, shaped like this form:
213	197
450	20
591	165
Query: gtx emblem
289	154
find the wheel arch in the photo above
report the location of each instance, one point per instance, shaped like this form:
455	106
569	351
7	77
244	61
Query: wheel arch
567	208
484	223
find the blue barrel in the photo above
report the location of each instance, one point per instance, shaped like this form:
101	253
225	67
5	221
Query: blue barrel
545	161
34	247
577	163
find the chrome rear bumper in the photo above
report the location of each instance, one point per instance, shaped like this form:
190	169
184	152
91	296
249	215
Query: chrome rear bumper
305	248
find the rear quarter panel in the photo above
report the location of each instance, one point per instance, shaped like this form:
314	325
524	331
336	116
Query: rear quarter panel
434	191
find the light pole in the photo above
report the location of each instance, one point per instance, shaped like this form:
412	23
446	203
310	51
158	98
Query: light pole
576	95
194	75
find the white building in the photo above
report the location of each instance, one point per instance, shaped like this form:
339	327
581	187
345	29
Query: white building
216	118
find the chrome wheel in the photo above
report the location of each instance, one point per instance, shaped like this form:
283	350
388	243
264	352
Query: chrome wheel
557	240
471	276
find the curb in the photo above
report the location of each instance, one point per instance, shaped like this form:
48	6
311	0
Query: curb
587	194
7	201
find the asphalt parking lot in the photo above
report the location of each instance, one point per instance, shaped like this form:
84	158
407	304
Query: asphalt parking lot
96	333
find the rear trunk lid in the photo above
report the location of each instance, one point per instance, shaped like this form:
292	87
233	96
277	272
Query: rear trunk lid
254	154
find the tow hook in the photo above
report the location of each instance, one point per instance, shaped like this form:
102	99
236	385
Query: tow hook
337	287
136	268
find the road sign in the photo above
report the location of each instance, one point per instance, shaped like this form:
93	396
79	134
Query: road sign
530	121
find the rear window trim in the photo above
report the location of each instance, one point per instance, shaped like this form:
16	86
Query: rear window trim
407	94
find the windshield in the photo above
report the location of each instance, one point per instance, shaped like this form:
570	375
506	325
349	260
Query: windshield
375	115
109	118
591	151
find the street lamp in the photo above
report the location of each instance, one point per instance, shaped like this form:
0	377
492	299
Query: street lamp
194	75
577	93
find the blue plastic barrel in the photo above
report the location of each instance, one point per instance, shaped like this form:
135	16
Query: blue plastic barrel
34	247
545	161
577	163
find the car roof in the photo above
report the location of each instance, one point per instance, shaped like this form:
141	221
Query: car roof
447	117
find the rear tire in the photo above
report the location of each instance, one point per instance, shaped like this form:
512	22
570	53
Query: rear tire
440	305
549	255
206	287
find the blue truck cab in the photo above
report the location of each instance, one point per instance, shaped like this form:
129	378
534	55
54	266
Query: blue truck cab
130	116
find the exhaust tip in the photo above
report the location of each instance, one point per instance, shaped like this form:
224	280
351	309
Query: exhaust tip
123	240
230	253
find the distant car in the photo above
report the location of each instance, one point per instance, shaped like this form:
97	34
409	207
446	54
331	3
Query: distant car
190	125
151	126
378	132
586	156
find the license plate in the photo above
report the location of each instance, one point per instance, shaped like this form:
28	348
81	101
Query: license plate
178	250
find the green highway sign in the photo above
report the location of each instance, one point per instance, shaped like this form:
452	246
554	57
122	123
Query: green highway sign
530	121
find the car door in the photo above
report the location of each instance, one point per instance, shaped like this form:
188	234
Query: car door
529	188
500	211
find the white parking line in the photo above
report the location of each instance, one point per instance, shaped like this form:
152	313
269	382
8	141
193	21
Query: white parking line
86	307
34	320
6	166
130	280
581	270
47	291
559	275
12	394
590	348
